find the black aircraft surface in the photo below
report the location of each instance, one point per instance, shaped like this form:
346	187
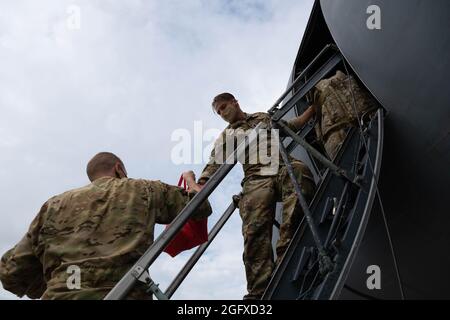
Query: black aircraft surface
404	64
379	224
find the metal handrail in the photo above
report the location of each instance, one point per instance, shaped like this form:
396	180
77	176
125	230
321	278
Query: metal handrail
139	270
200	250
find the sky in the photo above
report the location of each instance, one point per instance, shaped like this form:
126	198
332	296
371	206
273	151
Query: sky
80	77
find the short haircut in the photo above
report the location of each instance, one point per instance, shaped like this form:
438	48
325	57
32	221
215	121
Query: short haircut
102	162
222	97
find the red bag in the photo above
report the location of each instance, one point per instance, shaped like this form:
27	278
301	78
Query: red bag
192	234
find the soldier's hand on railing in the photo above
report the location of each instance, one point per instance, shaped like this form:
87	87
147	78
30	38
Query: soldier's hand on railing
189	177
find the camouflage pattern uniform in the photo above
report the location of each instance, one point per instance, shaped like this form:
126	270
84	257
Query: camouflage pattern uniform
337	111
257	208
103	228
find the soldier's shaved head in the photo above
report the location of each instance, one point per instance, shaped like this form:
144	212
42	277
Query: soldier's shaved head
105	164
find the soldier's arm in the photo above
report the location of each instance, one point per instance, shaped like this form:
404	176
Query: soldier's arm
298	122
21	272
173	199
215	160
189	177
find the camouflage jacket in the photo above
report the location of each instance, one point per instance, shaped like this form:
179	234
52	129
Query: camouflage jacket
255	166
102	229
337	108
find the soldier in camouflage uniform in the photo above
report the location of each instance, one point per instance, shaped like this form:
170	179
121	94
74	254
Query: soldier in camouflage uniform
337	98
262	188
102	228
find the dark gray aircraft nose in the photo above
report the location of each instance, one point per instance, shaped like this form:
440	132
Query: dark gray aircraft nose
405	64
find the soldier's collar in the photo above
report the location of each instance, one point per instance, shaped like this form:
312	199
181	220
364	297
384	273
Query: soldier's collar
102	179
236	124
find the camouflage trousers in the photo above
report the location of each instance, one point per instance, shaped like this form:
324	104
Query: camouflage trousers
333	142
334	139
257	210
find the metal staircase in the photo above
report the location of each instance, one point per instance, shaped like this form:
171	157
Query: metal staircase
318	259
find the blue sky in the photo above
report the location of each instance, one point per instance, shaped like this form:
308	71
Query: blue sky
133	73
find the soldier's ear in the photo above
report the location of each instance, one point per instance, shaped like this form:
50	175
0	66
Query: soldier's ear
120	170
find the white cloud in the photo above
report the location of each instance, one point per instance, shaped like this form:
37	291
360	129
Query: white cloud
132	74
